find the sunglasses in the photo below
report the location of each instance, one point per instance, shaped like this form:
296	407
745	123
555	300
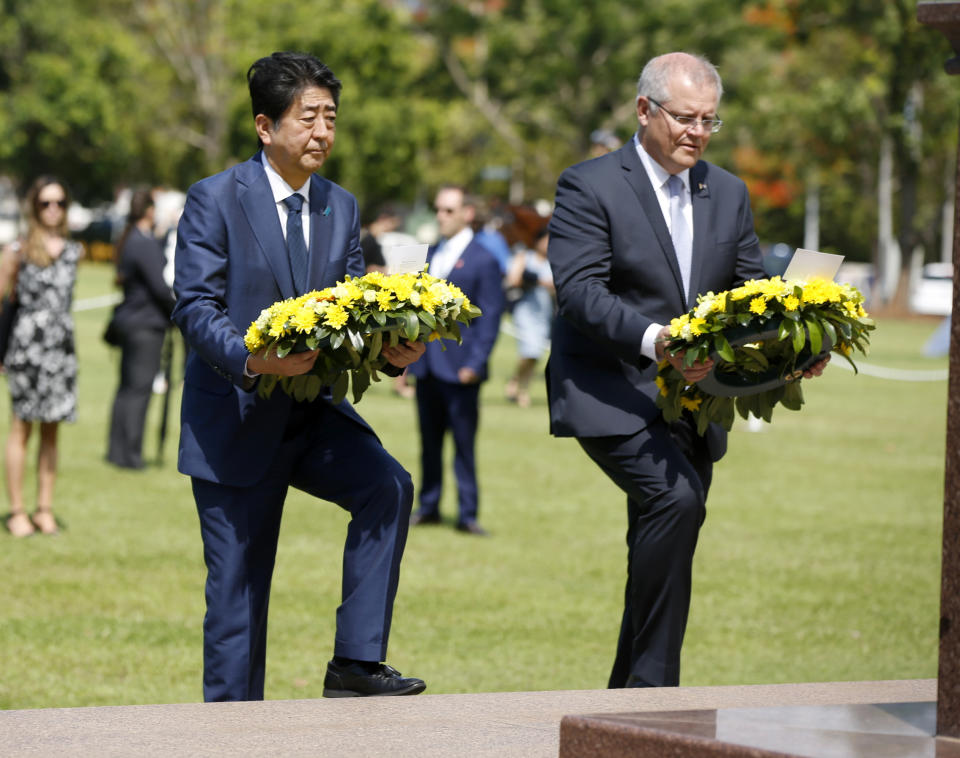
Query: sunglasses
48	203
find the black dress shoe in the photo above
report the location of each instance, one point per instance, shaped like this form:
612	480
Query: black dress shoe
424	518
360	679
472	527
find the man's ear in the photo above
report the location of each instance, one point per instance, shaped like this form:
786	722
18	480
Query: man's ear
264	127
643	110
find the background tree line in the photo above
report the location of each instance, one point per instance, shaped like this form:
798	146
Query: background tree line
837	112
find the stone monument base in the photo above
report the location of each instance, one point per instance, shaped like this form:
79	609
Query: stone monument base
894	730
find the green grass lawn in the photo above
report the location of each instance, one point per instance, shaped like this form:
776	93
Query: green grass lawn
819	559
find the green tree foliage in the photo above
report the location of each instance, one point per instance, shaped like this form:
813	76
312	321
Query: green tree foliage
114	91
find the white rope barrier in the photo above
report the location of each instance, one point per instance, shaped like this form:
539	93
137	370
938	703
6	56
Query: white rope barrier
895	374
92	303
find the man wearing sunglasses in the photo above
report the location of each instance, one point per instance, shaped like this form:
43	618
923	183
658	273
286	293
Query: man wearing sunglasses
635	236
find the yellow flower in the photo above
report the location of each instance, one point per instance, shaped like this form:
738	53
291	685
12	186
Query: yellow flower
384	298
697	324
252	339
662	386
758	305
677	324
690	403
434	335
304	319
429	301
791	303
402	290
336	316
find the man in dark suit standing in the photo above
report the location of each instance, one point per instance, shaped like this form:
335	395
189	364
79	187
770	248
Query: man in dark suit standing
448	381
635	236
262	231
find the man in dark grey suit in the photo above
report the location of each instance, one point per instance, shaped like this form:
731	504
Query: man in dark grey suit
635	236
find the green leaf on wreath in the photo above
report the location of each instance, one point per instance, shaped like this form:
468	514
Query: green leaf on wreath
380	317
784	331
743	406
376	345
723	347
828	329
792	396
428	319
756	355
799	336
356	339
339	387
311	387
284	348
336	339
354	355
267	384
411	326
361	381
816	335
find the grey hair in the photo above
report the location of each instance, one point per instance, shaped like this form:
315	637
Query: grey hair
654	81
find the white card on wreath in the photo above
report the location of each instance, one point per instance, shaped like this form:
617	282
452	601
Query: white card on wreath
812	264
406	259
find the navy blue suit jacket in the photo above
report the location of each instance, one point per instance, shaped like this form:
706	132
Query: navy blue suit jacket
231	263
477	273
616	273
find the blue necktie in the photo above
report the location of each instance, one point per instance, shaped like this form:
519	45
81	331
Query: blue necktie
680	232
296	244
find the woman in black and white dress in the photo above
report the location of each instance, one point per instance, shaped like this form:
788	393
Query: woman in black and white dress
40	362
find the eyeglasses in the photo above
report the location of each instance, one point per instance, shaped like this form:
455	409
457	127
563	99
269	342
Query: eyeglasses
689	122
48	203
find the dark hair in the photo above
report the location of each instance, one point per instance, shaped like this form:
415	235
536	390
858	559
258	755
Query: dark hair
140	202
276	80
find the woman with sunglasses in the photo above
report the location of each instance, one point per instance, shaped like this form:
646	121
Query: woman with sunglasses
40	363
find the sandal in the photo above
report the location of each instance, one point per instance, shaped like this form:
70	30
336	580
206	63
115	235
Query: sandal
20	525
44	520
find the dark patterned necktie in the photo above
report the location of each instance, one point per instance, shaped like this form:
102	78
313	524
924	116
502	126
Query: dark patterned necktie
296	244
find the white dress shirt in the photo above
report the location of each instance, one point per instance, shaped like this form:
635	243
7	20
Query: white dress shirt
446	257
659	177
281	190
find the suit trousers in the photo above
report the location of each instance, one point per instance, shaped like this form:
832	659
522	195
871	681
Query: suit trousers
665	471
332	457
441	406
139	364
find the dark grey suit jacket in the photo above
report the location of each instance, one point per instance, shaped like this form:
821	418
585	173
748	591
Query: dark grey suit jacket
616	273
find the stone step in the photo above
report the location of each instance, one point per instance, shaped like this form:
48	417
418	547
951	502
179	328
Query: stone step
501	724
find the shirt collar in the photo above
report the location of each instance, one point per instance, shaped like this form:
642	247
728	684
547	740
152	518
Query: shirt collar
278	185
460	240
657	173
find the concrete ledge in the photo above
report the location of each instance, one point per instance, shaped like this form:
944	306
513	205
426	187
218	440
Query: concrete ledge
502	724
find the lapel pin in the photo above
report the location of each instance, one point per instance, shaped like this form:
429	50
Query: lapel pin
702	186
326	211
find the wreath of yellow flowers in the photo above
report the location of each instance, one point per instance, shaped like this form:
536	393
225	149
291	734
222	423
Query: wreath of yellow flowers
350	323
761	336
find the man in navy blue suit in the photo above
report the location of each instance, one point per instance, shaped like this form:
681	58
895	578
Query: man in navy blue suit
448	381
635	236
262	231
